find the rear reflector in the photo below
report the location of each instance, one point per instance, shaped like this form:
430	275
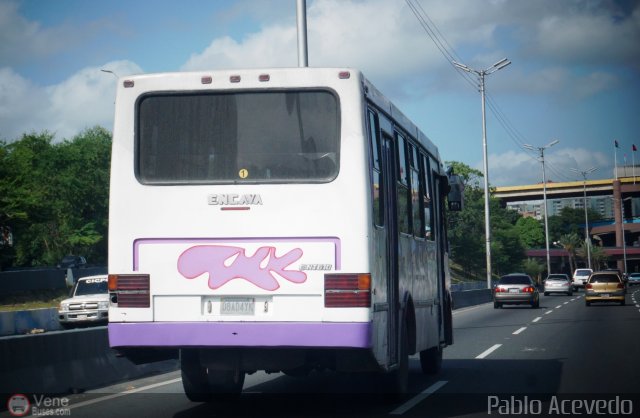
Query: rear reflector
347	290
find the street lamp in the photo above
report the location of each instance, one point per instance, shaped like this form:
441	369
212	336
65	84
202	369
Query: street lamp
587	241
544	195
481	75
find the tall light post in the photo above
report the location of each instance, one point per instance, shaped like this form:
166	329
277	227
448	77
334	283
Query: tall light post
544	195
301	24
587	241
481	75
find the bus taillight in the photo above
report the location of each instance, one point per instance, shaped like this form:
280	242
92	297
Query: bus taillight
131	290
347	290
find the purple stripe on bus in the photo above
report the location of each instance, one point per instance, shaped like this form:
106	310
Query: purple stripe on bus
140	241
241	334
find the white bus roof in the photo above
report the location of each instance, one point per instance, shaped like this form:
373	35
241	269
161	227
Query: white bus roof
261	78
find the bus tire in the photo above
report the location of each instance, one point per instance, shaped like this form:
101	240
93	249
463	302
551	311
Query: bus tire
225	385
431	360
194	377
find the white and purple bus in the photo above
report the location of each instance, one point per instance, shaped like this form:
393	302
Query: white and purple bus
282	220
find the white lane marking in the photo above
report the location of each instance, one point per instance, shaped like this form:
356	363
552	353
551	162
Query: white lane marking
548	312
566	303
537	319
519	331
124	393
418	398
559	306
488	351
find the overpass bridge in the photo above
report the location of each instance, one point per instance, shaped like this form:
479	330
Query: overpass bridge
619	189
629	186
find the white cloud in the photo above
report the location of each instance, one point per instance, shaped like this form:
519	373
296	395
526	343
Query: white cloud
83	100
518	167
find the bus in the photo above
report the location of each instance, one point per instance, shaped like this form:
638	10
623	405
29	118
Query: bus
277	220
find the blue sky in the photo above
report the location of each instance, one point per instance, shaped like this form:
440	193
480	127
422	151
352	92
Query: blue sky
574	74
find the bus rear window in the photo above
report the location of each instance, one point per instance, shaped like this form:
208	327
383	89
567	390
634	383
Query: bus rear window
238	137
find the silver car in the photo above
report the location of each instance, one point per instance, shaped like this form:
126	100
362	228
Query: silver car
558	283
516	288
89	302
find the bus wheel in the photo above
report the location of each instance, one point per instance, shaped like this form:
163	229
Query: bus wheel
194	377
225	384
431	360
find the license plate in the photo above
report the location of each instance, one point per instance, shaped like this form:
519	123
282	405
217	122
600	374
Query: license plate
513	290
604	295
81	316
237	306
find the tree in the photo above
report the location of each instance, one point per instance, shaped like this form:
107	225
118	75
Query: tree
531	232
568	221
467	229
570	242
54	197
533	268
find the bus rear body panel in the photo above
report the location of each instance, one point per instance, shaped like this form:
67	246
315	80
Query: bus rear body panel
243	223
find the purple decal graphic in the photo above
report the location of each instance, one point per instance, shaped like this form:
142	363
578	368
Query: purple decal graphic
225	263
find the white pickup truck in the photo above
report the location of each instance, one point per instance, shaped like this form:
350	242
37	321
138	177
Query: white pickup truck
89	302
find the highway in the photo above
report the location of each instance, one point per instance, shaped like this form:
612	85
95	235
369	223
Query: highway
501	360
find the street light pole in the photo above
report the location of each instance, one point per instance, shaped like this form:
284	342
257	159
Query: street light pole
487	217
544	196
587	241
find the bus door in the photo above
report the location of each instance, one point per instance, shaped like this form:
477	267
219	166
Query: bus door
391	223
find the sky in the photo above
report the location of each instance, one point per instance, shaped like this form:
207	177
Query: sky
574	77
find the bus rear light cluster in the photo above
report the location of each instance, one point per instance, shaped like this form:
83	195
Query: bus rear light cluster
130	290
347	290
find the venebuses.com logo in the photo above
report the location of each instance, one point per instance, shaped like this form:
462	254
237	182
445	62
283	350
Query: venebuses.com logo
19	405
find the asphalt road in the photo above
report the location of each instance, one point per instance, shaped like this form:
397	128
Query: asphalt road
563	358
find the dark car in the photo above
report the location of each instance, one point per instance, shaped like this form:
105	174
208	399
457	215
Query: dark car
72	262
634	279
516	288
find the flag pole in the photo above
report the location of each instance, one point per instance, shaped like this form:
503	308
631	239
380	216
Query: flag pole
615	158
633	159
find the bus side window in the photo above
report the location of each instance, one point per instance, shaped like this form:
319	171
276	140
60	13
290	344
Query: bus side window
416	218
376	169
426	199
404	202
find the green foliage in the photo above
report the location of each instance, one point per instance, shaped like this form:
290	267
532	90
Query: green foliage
571	242
569	221
531	232
533	268
467	230
54	197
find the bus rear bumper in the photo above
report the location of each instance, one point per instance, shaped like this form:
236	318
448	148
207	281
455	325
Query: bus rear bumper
241	334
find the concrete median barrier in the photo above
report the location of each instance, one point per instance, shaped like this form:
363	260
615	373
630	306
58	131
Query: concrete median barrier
66	362
470	298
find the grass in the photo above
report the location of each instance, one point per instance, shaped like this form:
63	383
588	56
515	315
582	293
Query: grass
33	299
